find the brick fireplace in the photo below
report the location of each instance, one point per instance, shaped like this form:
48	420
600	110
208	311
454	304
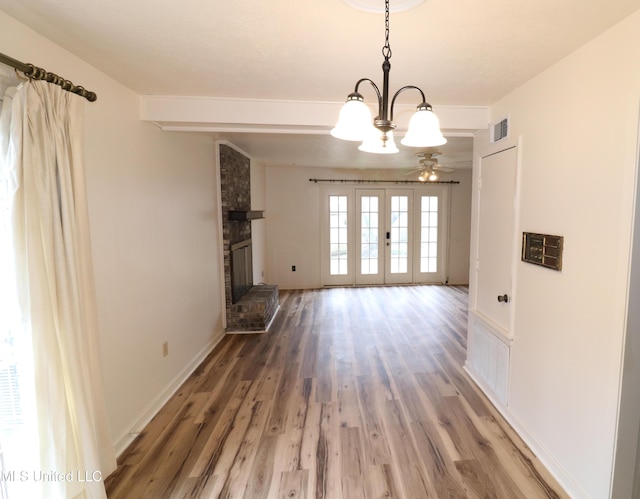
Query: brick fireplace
253	309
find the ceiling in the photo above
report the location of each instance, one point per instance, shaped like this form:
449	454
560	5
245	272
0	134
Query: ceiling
460	52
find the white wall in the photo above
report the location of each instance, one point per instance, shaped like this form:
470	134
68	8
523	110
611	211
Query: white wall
460	227
293	222
578	122
259	227
153	212
627	467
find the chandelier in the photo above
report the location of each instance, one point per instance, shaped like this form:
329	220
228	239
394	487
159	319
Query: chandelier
355	122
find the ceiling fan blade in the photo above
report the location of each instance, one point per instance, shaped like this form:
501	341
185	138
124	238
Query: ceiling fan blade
414	170
444	168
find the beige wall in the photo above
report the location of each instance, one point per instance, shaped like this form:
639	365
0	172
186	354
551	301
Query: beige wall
153	212
578	122
293	222
259	227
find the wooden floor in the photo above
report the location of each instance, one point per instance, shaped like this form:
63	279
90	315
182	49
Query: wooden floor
354	393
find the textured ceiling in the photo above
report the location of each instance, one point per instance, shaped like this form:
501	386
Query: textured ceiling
460	52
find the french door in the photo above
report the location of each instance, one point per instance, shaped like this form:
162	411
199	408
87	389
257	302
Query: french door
370	236
384	236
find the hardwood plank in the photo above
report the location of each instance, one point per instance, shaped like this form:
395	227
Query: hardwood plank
477	480
530	476
433	453
381	482
459	379
347	398
414	483
212	451
352	471
310	436
249	436
370	403
435	413
167	460
355	392
500	480
310	355
280	403
261	474
381	373
327	470
291	439
293	484
325	370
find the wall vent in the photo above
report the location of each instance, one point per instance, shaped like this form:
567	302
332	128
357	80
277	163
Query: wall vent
499	130
489	360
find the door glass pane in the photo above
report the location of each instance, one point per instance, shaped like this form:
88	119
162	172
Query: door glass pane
369	237
429	234
399	234
338	235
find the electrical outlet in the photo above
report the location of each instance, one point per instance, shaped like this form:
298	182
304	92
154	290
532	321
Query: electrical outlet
165	349
293	268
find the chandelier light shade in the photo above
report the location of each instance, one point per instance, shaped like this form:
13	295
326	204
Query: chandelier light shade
424	127
355	123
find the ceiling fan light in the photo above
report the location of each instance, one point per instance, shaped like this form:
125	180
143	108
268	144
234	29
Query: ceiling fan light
354	121
378	142
424	129
432	176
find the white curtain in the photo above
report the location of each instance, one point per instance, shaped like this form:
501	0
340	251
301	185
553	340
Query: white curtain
41	153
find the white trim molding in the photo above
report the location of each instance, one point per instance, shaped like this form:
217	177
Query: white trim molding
214	114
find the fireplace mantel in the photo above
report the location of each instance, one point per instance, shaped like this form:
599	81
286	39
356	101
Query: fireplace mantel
243	215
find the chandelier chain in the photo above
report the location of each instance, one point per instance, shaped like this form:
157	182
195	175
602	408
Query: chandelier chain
386	50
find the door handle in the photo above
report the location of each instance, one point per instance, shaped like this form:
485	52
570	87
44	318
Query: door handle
388	235
503	298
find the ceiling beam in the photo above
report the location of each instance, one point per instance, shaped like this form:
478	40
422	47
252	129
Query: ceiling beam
212	114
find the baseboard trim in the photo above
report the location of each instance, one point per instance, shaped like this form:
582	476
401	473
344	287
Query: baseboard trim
547	460
126	439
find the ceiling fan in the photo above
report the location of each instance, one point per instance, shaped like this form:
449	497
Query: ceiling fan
430	167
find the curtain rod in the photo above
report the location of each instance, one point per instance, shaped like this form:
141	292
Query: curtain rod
35	73
346	181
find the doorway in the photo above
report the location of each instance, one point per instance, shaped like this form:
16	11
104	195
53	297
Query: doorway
377	236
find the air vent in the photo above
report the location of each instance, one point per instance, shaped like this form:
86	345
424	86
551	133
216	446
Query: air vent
489	360
499	130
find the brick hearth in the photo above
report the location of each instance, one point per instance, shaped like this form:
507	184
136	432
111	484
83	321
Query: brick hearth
255	310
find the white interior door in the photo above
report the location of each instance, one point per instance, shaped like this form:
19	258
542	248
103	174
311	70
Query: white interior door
496	231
